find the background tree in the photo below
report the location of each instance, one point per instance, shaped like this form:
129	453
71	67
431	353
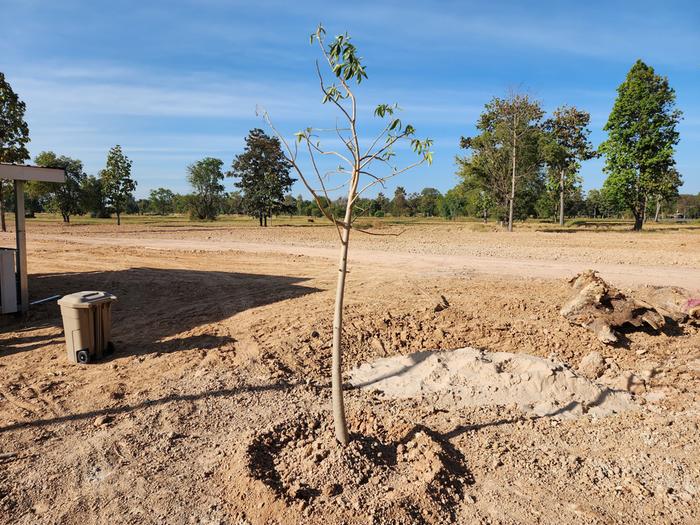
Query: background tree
14	135
161	201
263	173
92	198
566	145
453	203
487	168
505	159
233	203
399	206
355	169
206	177
380	205
429	202
666	190
641	140
62	198
117	184
413	201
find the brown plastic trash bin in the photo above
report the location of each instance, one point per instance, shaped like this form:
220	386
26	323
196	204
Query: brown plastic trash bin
87	324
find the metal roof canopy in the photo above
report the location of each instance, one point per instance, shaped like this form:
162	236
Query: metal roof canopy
21	174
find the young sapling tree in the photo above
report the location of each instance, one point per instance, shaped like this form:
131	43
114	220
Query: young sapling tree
355	174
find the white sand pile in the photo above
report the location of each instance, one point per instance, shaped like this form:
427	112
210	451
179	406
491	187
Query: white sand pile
468	377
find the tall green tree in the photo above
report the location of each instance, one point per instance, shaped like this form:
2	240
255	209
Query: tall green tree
641	141
566	144
161	201
63	198
206	178
14	135
116	180
505	156
263	175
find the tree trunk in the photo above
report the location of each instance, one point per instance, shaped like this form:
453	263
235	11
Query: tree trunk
265	220
119	218
658	209
644	209
341	426
561	198
638	221
512	191
260	218
3	225
66	218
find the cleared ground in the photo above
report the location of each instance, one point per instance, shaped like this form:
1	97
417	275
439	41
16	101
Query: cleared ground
223	332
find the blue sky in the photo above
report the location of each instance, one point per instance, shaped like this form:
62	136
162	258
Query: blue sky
176	81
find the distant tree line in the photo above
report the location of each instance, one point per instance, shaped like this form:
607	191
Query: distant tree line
520	164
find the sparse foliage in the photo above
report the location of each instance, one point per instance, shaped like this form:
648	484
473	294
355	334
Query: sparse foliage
354	172
505	159
565	146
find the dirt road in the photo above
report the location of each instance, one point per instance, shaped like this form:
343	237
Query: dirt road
424	264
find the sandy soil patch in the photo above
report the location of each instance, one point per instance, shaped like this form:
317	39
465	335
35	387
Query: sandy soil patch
472	377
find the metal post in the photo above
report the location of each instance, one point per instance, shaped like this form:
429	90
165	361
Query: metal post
20	233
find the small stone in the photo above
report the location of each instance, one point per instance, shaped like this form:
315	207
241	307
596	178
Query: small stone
377	345
592	365
332	489
102	420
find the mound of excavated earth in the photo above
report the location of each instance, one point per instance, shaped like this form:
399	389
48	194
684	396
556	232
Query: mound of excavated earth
468	377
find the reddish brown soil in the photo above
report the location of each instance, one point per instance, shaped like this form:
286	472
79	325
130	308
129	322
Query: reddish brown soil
214	407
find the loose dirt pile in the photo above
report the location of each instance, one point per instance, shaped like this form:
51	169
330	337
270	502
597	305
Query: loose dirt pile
295	472
468	377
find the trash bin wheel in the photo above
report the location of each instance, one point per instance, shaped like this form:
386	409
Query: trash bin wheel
83	356
110	348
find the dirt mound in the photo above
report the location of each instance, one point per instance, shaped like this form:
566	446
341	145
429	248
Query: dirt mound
295	472
467	377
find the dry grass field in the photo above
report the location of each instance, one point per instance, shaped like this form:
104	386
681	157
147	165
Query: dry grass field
215	406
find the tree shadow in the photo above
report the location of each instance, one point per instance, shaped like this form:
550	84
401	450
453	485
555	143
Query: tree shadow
25	344
416	359
160	310
165	400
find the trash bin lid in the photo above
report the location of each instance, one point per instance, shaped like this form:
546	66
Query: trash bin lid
85	299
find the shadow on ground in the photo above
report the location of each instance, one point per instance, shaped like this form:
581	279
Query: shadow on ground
158	310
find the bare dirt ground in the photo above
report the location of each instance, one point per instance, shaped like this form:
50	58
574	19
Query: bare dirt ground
214	407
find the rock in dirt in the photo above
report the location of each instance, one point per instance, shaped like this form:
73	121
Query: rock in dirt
601	308
472	377
442	305
672	302
592	365
102	420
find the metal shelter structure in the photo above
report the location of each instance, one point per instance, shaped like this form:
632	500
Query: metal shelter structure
20	175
